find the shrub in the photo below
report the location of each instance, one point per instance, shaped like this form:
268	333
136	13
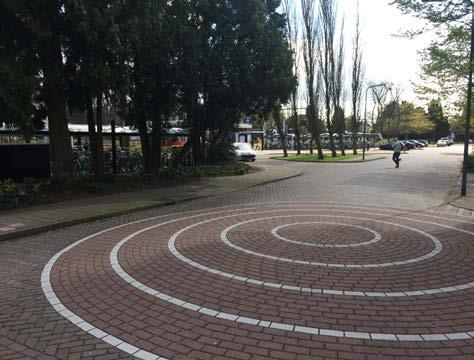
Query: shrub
34	191
470	163
222	153
19	194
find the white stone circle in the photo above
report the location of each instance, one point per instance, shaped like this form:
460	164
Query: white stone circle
377	237
142	354
436	250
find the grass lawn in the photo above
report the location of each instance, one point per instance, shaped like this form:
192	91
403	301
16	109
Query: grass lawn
314	157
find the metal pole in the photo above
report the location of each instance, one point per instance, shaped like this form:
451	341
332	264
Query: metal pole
364	143
467	125
365	124
114	148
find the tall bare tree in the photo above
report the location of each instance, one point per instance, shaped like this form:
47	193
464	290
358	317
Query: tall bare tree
397	92
357	80
379	95
337	60
293	29
327	33
310	48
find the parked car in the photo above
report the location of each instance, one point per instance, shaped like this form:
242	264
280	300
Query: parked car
389	146
448	141
244	152
408	144
425	142
417	143
442	143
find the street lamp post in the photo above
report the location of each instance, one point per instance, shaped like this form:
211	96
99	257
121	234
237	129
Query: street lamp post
364	144
467	124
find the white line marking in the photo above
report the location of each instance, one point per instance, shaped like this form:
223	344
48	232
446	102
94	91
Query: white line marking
141	354
377	236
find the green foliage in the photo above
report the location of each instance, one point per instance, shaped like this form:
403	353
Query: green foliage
445	62
211	170
404	119
28	192
34	191
205	62
339	120
18	71
224	152
470	163
436	116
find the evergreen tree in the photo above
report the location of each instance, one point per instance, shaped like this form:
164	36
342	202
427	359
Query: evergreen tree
436	116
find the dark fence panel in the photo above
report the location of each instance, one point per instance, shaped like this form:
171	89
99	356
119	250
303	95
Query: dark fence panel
18	161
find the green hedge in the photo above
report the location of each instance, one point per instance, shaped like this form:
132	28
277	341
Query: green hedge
470	163
34	191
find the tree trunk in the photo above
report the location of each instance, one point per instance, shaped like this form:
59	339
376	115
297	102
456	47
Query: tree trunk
297	125
196	131
355	129
156	135
319	147
331	135
354	143
100	140
59	137
276	114
204	152
196	144
92	135
144	140
316	131
183	152
311	129
341	144
156	145
141	114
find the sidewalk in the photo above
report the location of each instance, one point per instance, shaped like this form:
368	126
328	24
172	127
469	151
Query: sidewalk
22	222
466	202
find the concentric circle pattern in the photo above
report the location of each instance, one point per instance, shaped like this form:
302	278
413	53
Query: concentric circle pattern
326	236
272	279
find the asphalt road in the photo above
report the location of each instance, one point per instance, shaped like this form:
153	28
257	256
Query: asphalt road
422	181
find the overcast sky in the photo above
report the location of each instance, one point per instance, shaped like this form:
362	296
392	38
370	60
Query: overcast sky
387	58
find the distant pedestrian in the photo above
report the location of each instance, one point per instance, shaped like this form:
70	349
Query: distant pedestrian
397	149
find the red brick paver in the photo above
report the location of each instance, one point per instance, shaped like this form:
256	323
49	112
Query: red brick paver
198	311
217	283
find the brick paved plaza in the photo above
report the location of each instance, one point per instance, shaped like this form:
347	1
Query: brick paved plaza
347	261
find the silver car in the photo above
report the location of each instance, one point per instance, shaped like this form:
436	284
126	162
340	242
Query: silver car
244	152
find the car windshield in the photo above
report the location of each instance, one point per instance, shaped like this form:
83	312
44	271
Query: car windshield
242	146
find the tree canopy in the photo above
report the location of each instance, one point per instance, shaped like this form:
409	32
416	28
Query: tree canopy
207	63
445	62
